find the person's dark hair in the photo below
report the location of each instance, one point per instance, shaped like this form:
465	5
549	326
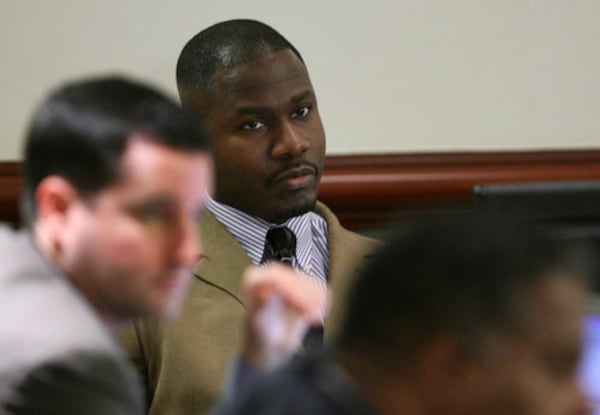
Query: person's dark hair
224	45
81	131
465	276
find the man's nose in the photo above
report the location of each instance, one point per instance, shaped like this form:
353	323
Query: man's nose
290	141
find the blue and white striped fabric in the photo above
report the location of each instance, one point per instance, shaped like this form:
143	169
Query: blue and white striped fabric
312	250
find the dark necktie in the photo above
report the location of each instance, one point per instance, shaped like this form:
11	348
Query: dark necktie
281	246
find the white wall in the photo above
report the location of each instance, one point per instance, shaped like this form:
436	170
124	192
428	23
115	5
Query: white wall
391	76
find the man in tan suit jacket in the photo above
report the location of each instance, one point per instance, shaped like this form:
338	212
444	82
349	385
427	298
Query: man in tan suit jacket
251	87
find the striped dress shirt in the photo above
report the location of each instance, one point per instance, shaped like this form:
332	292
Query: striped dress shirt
312	251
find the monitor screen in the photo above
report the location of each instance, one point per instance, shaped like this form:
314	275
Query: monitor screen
568	209
589	371
553	201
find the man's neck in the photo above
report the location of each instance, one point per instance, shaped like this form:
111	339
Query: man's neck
50	251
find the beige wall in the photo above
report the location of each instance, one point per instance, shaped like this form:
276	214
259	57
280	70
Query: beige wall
395	75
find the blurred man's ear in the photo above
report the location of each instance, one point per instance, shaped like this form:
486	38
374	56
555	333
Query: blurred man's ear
437	363
54	198
444	371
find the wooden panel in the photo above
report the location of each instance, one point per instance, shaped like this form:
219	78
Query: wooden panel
10	191
367	190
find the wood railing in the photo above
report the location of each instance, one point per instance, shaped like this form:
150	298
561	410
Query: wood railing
11	183
369	190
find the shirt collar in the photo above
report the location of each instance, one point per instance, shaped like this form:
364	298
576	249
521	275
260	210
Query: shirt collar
251	231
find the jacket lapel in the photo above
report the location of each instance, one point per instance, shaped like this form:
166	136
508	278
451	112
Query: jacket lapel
224	258
348	252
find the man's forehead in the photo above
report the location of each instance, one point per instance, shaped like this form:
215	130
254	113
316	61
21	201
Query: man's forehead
555	306
267	73
145	156
562	292
253	84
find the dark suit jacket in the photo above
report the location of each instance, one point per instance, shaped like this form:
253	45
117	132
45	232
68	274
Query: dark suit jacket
56	356
185	361
313	385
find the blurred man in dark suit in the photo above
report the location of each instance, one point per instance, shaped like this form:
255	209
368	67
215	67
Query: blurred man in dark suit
455	316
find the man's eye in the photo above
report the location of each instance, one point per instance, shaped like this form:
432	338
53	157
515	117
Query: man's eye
152	213
301	112
253	125
562	365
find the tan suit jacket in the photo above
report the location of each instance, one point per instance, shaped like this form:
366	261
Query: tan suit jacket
184	362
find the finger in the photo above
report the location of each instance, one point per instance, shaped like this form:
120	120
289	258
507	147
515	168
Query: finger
308	295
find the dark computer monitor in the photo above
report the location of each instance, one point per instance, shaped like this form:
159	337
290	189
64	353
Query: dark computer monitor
567	209
570	203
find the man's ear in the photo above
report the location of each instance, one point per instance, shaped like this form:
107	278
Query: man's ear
54	198
435	361
443	370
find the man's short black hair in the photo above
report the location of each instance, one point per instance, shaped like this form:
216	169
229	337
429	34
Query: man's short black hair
466	276
224	45
81	131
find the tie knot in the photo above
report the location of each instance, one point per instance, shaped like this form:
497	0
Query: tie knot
280	245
